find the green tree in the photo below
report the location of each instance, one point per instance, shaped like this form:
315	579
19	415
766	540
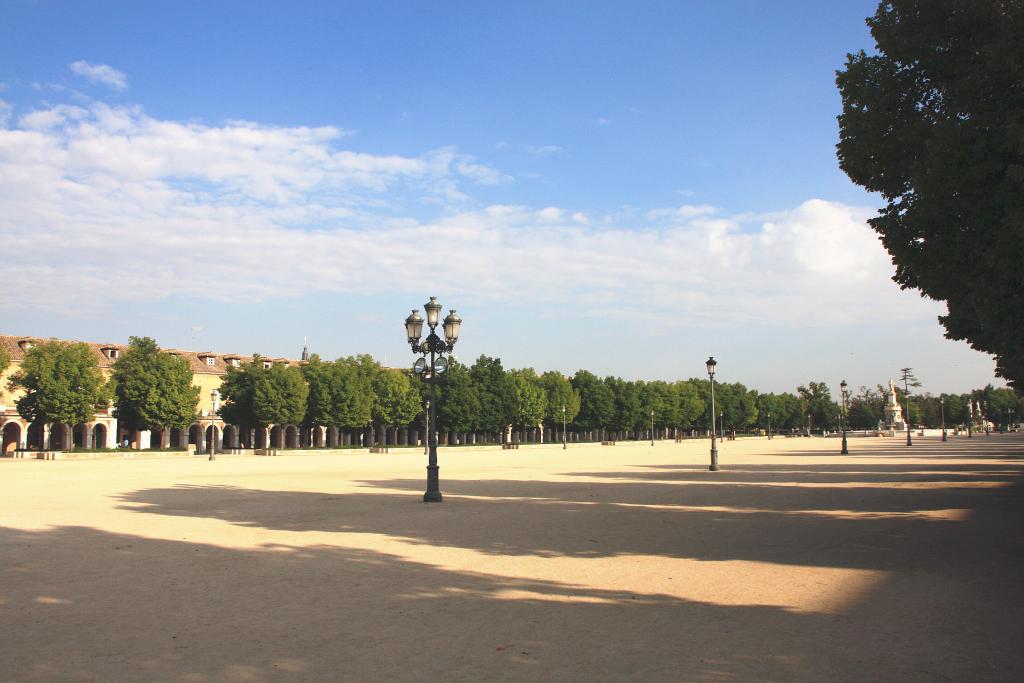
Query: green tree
531	401
597	401
352	398
458	402
495	393
255	396
397	401
818	403
689	404
5	360
630	412
932	122
62	383
319	401
559	392
153	389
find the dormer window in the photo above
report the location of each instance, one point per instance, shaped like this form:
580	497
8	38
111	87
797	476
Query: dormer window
112	354
233	361
24	344
267	364
209	360
109	351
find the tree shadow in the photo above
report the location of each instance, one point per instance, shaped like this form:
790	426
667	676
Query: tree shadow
85	604
754	515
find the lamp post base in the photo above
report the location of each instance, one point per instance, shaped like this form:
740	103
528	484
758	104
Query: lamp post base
433	494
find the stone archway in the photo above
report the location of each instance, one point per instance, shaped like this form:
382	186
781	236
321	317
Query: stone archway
80	436
35	436
58	437
332	437
230	437
11	439
291	437
195	435
98	436
174	441
276	437
212	438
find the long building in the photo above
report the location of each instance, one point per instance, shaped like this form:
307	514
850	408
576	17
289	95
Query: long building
103	431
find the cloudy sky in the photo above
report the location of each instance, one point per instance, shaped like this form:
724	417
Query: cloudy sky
625	187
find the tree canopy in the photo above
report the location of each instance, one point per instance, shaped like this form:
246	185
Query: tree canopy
153	389
255	396
62	383
933	123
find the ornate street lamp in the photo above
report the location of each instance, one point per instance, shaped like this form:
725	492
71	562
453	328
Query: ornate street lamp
842	417
714	445
432	373
942	412
652	427
564	445
769	425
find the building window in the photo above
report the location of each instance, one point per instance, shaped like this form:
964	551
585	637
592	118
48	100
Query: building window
112	354
266	365
209	360
234	362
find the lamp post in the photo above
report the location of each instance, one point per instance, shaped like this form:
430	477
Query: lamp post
984	416
808	425
714	445
435	347
907	376
214	407
842	417
942	413
652	427
564	445
769	425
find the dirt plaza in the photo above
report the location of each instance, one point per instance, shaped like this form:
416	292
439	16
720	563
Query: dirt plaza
625	562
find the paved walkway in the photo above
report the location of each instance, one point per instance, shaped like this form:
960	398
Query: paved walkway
596	563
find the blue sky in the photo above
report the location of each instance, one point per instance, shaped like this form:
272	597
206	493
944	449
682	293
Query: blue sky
626	187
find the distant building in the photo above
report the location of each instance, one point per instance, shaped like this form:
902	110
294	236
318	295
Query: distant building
102	431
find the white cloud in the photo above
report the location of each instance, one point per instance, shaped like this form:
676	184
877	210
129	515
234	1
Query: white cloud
100	73
544	150
106	204
602	121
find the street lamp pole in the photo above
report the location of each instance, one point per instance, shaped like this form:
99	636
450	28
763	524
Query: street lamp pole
435	347
842	417
906	399
714	445
652	427
942	412
984	416
564	445
769	425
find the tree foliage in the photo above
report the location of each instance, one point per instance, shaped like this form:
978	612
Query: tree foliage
153	389
62	383
255	396
933	123
531	401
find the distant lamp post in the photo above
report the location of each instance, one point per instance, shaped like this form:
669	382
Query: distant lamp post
942	413
435	347
842	417
984	416
907	377
769	425
564	444
808	425
714	445
652	427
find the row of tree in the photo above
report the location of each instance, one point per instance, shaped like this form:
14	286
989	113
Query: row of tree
150	389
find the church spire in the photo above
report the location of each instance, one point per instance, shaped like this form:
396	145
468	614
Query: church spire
305	348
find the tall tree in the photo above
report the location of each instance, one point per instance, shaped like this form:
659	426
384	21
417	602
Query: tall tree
932	122
255	396
531	401
62	382
319	400
397	400
558	392
153	389
351	392
495	393
458	401
818	403
5	360
597	401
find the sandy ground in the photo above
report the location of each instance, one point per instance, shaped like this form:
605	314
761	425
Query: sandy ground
628	562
